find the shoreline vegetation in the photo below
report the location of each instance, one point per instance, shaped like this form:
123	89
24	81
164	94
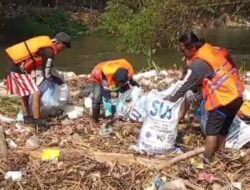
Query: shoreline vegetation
139	27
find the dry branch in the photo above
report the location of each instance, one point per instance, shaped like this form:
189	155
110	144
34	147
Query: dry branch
182	157
3	147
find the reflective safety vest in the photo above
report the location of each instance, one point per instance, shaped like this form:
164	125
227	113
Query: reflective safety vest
225	84
25	55
106	70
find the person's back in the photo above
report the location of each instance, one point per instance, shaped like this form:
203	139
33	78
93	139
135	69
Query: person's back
111	77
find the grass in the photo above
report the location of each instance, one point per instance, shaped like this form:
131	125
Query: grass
9	106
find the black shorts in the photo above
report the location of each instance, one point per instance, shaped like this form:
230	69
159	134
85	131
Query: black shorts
220	120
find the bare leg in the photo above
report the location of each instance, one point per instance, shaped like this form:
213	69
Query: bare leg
186	107
211	146
221	142
36	105
25	105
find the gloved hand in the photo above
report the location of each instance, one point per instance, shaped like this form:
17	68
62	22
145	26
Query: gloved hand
114	94
57	80
108	109
166	98
84	92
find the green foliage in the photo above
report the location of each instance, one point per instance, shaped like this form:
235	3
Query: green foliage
26	26
45	22
142	26
9	105
58	20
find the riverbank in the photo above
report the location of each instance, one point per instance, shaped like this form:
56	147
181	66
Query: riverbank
90	161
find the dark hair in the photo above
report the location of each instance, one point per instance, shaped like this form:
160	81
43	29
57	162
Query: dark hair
121	75
190	40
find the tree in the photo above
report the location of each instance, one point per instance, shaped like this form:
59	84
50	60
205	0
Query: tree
142	26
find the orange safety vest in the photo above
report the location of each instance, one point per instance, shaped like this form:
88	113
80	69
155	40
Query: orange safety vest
225	85
108	69
25	55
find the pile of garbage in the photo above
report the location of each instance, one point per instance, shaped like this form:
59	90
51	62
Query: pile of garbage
71	154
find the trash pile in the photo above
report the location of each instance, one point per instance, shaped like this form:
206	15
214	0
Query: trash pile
72	155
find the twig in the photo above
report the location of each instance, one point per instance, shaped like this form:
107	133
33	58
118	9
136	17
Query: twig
220	4
112	168
3	147
37	178
20	185
192	186
182	157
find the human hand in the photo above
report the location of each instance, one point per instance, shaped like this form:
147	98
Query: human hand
114	94
4	82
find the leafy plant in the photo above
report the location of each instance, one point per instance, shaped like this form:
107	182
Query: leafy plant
59	20
143	26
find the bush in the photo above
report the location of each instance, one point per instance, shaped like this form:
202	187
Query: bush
142	26
59	20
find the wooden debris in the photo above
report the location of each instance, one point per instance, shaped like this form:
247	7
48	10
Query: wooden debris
182	157
3	146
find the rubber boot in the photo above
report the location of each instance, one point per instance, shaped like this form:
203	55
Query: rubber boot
96	114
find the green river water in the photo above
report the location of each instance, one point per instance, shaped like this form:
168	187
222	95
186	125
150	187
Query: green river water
87	51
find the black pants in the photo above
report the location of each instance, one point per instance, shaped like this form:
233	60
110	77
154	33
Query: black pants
220	119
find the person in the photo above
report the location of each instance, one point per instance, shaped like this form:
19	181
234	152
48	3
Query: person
213	70
111	78
25	58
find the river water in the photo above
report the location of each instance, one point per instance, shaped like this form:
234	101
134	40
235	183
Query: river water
87	51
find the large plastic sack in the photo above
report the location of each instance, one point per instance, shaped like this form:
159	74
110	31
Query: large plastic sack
239	132
132	105
246	93
159	129
53	98
138	110
72	111
127	101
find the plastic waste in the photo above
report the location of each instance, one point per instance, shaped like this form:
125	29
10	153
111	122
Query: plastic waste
13	175
237	185
126	102
68	75
88	102
206	177
73	112
33	142
155	183
53	98
159	129
239	133
105	130
6	119
177	184
199	164
50	154
11	143
147	74
246	93
161	183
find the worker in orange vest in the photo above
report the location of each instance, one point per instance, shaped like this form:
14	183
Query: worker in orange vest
212	69
111	77
26	57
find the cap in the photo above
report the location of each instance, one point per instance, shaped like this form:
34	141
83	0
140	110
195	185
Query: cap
121	76
64	38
